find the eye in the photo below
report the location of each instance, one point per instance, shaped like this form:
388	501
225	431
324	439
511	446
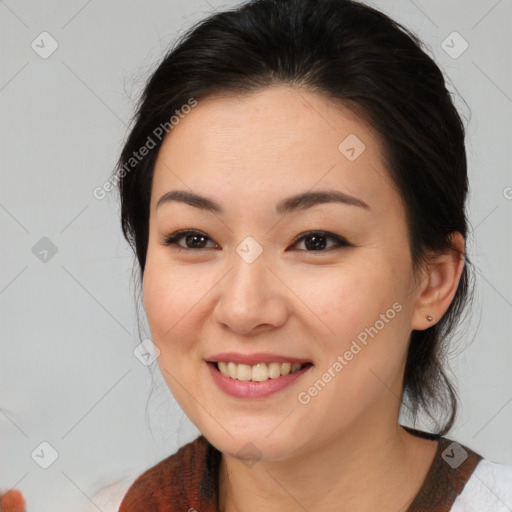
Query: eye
316	240
193	239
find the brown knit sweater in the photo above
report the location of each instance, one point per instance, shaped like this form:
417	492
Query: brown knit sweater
188	480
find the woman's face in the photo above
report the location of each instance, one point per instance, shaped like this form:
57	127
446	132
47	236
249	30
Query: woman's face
248	288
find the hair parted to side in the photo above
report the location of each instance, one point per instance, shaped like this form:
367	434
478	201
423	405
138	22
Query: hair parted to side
359	58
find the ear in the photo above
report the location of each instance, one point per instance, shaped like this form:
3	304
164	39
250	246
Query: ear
438	284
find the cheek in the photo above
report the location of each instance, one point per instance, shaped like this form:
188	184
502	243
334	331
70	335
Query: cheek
170	295
364	321
349	298
361	364
171	299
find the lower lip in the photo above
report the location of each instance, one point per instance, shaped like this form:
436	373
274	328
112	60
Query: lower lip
250	389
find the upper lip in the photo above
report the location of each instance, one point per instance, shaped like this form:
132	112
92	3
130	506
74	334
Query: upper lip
253	359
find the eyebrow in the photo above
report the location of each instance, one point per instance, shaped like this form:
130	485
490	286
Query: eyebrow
294	203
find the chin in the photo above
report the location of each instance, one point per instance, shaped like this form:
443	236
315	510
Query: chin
253	445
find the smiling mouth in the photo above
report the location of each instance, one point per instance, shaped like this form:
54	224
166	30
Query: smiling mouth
260	372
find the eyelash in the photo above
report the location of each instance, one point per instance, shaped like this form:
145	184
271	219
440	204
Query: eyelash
173	238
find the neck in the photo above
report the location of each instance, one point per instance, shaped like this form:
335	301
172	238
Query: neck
371	467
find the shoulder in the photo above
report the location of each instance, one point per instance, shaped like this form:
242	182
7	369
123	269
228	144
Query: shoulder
489	489
173	483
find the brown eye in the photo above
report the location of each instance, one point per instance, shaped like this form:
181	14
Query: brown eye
316	241
193	239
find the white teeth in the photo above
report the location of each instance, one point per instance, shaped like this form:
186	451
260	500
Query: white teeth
259	372
274	370
231	371
243	372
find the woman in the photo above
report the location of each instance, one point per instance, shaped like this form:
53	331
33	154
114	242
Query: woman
294	189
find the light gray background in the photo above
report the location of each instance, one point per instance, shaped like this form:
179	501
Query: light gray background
68	373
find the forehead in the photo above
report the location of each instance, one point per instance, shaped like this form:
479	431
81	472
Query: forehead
281	138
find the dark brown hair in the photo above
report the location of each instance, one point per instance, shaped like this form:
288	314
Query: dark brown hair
356	56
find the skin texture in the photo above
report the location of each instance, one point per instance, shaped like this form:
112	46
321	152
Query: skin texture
249	152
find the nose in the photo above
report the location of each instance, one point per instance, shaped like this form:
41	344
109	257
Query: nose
252	299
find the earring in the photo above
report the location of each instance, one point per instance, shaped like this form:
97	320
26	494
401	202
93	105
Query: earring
430	318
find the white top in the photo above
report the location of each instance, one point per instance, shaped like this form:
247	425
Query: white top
489	489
